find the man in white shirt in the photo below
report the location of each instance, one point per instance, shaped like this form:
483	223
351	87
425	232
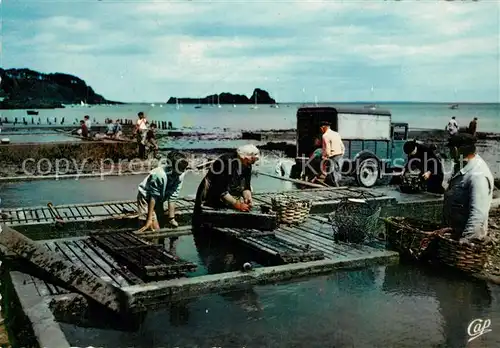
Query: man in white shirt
141	128
452	126
333	150
88	123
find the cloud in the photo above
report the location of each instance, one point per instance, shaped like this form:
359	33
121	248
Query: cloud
336	50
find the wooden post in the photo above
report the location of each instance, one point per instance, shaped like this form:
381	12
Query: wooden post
72	276
296	181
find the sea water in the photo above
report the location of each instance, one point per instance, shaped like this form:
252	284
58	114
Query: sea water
393	306
386	306
418	115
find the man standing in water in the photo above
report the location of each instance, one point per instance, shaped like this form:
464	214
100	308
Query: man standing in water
228	182
333	150
467	200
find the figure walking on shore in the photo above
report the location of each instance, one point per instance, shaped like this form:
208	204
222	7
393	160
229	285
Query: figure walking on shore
452	127
151	142
473	127
141	128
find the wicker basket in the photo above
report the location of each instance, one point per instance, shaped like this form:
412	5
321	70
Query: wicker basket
289	210
412	183
481	257
410	237
355	221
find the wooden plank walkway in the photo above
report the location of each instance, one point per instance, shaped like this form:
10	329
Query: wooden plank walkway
148	261
84	253
42	215
80	212
302	243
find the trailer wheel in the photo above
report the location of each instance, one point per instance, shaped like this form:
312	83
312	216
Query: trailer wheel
368	172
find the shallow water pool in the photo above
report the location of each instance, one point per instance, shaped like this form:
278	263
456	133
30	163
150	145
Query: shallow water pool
393	306
105	189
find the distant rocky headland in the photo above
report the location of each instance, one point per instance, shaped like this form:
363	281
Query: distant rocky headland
259	96
29	89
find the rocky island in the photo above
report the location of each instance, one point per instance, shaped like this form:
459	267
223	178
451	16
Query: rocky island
259	96
29	89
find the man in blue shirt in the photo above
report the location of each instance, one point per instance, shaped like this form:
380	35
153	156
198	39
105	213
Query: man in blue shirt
162	185
467	200
117	131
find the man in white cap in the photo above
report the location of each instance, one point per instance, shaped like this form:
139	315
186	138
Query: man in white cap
227	183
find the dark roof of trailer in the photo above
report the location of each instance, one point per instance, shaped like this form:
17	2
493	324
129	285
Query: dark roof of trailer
347	110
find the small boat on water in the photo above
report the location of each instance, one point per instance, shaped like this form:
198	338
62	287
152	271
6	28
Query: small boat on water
32	112
454	106
255	105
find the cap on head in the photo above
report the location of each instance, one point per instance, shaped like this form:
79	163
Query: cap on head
409	146
462	140
248	151
178	161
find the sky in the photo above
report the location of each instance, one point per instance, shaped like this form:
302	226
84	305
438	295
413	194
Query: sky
371	50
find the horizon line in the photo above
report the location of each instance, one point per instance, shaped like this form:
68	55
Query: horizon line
342	102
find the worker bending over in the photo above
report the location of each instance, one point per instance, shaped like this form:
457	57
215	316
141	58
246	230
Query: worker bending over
162	185
228	182
422	158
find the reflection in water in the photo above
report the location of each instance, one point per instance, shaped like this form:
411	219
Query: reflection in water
396	306
460	300
219	256
179	313
218	259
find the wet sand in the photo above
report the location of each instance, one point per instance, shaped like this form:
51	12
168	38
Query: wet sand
202	149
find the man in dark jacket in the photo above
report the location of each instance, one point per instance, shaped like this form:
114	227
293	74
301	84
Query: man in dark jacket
473	127
228	182
422	158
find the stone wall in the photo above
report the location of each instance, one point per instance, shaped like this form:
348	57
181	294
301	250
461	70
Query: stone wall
33	159
426	210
